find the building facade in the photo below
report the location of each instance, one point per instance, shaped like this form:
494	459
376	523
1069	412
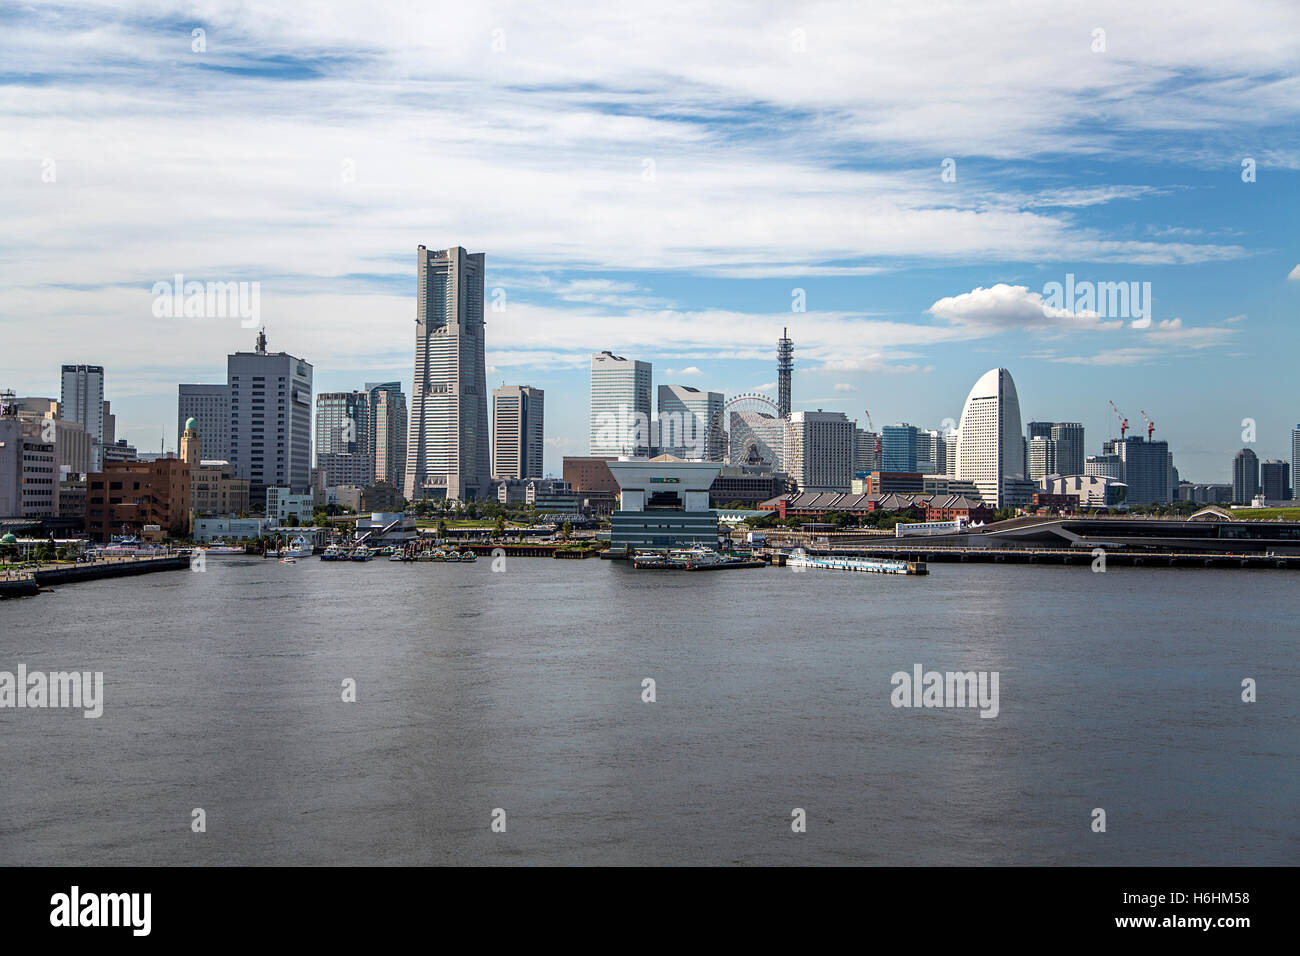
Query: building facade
270	419
690	423
128	496
209	406
663	505
820	450
990	449
1245	476
448	452
1275	480
81	400
387	438
518	437
620	406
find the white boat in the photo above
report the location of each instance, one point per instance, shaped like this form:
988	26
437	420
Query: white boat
334	553
216	549
361	553
299	547
696	555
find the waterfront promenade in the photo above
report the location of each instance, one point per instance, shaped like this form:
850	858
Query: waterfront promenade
31	579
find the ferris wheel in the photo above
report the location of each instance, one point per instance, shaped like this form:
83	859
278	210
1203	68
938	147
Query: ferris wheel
747	430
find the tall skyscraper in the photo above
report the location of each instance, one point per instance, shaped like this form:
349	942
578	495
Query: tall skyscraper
784	367
991	451
387	438
1295	461
518	420
1245	476
342	423
898	447
820	450
620	406
448	454
1068	438
343	438
81	398
690	423
1147	468
270	419
209	406
1275	480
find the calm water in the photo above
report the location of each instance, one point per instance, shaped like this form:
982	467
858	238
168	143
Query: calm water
522	690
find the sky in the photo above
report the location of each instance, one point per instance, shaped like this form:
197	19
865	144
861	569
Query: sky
897	183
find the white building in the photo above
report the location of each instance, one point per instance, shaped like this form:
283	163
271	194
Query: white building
448	452
820	450
270	419
990	450
280	503
689	423
518	436
620	406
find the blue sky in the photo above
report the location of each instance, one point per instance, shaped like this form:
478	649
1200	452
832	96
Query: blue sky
657	181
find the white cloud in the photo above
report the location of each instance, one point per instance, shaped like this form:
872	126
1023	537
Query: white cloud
1003	306
845	387
1294	273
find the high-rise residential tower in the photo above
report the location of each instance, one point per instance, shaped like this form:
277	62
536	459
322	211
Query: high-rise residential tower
820	450
690	423
620	406
388	432
1068	438
448	453
991	450
1295	461
81	399
518	420
1275	480
1245	476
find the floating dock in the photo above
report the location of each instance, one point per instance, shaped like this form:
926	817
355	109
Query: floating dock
870	565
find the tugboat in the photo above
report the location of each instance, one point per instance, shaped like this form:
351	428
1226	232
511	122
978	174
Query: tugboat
334	553
361	553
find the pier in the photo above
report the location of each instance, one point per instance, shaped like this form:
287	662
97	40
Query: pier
27	583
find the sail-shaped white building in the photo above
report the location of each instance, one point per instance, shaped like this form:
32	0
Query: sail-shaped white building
990	448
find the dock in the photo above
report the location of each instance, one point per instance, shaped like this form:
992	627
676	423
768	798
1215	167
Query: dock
868	565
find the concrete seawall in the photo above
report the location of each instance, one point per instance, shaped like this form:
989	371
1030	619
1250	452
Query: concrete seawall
73	573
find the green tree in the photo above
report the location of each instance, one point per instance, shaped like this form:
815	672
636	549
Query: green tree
499	529
566	530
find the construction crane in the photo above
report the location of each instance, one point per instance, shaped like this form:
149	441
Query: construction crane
872	428
1123	422
1151	426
